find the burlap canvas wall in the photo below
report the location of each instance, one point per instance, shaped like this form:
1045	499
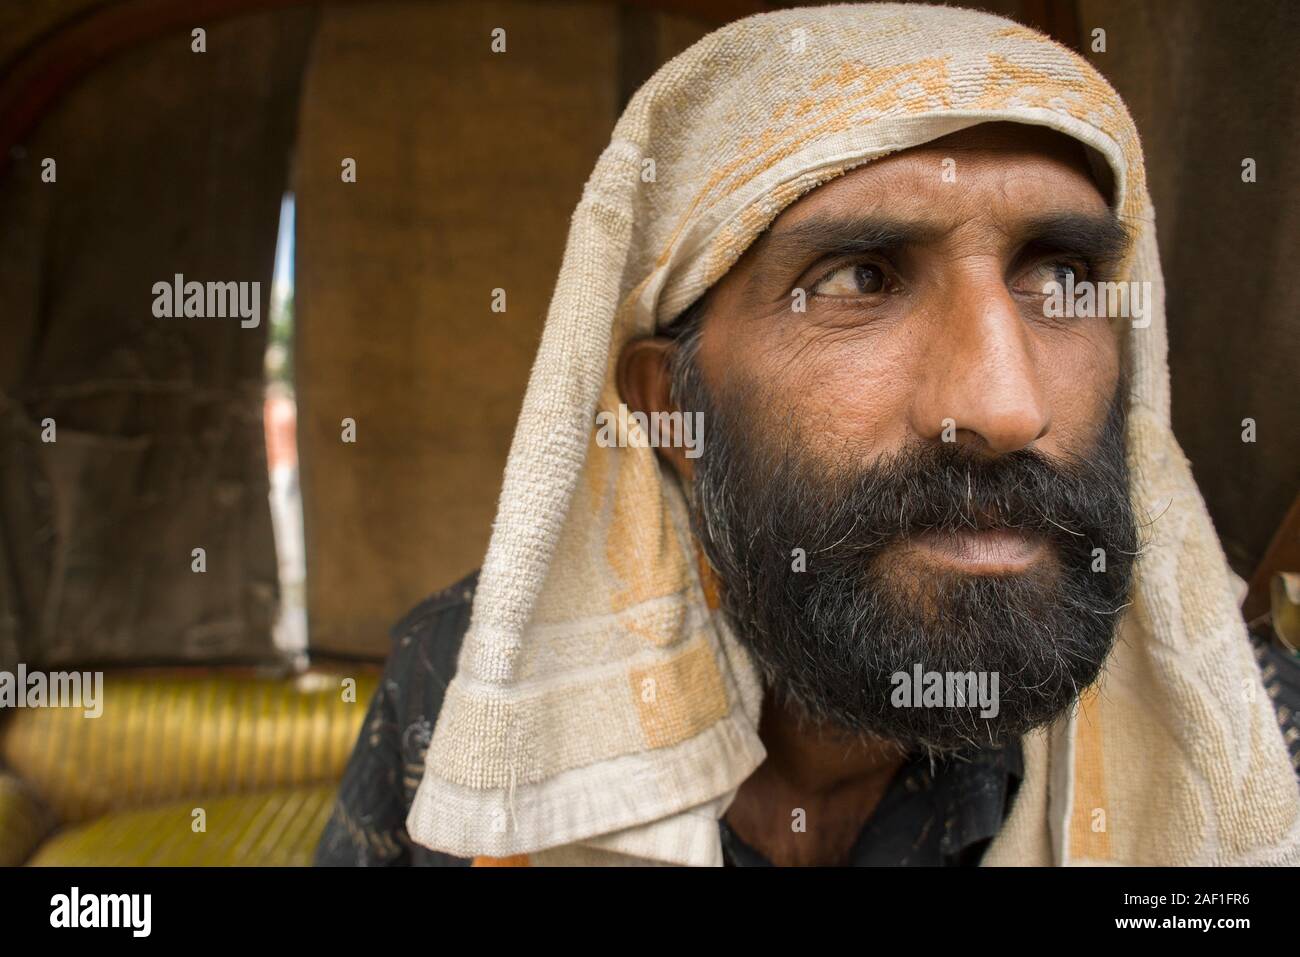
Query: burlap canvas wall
1210	84
167	161
469	164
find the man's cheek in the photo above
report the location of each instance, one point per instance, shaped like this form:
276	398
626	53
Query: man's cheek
1080	380
857	407
841	395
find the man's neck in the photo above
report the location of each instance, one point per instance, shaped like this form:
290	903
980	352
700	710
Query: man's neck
809	799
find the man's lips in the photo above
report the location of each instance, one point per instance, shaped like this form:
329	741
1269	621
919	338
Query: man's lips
984	551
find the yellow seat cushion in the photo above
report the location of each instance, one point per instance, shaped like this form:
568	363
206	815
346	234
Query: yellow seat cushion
276	828
24	821
166	734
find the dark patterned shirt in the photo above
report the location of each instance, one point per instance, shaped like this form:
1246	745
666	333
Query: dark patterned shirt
940	814
932	815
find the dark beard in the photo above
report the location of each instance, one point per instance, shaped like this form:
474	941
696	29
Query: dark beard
831	640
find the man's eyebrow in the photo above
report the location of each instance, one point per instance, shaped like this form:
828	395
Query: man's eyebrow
1099	238
792	247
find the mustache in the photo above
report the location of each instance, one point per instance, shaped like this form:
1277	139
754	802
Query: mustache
1076	501
950	489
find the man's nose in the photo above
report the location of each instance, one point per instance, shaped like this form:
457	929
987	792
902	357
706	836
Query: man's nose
979	382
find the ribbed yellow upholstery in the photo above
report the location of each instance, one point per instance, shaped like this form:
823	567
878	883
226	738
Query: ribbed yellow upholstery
164	735
271	829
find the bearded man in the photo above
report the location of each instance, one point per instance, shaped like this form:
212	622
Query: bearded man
939	588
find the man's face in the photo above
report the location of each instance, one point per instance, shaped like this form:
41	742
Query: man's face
906	462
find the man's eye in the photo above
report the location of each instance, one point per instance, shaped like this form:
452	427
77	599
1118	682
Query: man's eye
1063	272
860	279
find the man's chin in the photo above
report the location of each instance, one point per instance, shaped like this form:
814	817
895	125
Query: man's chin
942	660
940	730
